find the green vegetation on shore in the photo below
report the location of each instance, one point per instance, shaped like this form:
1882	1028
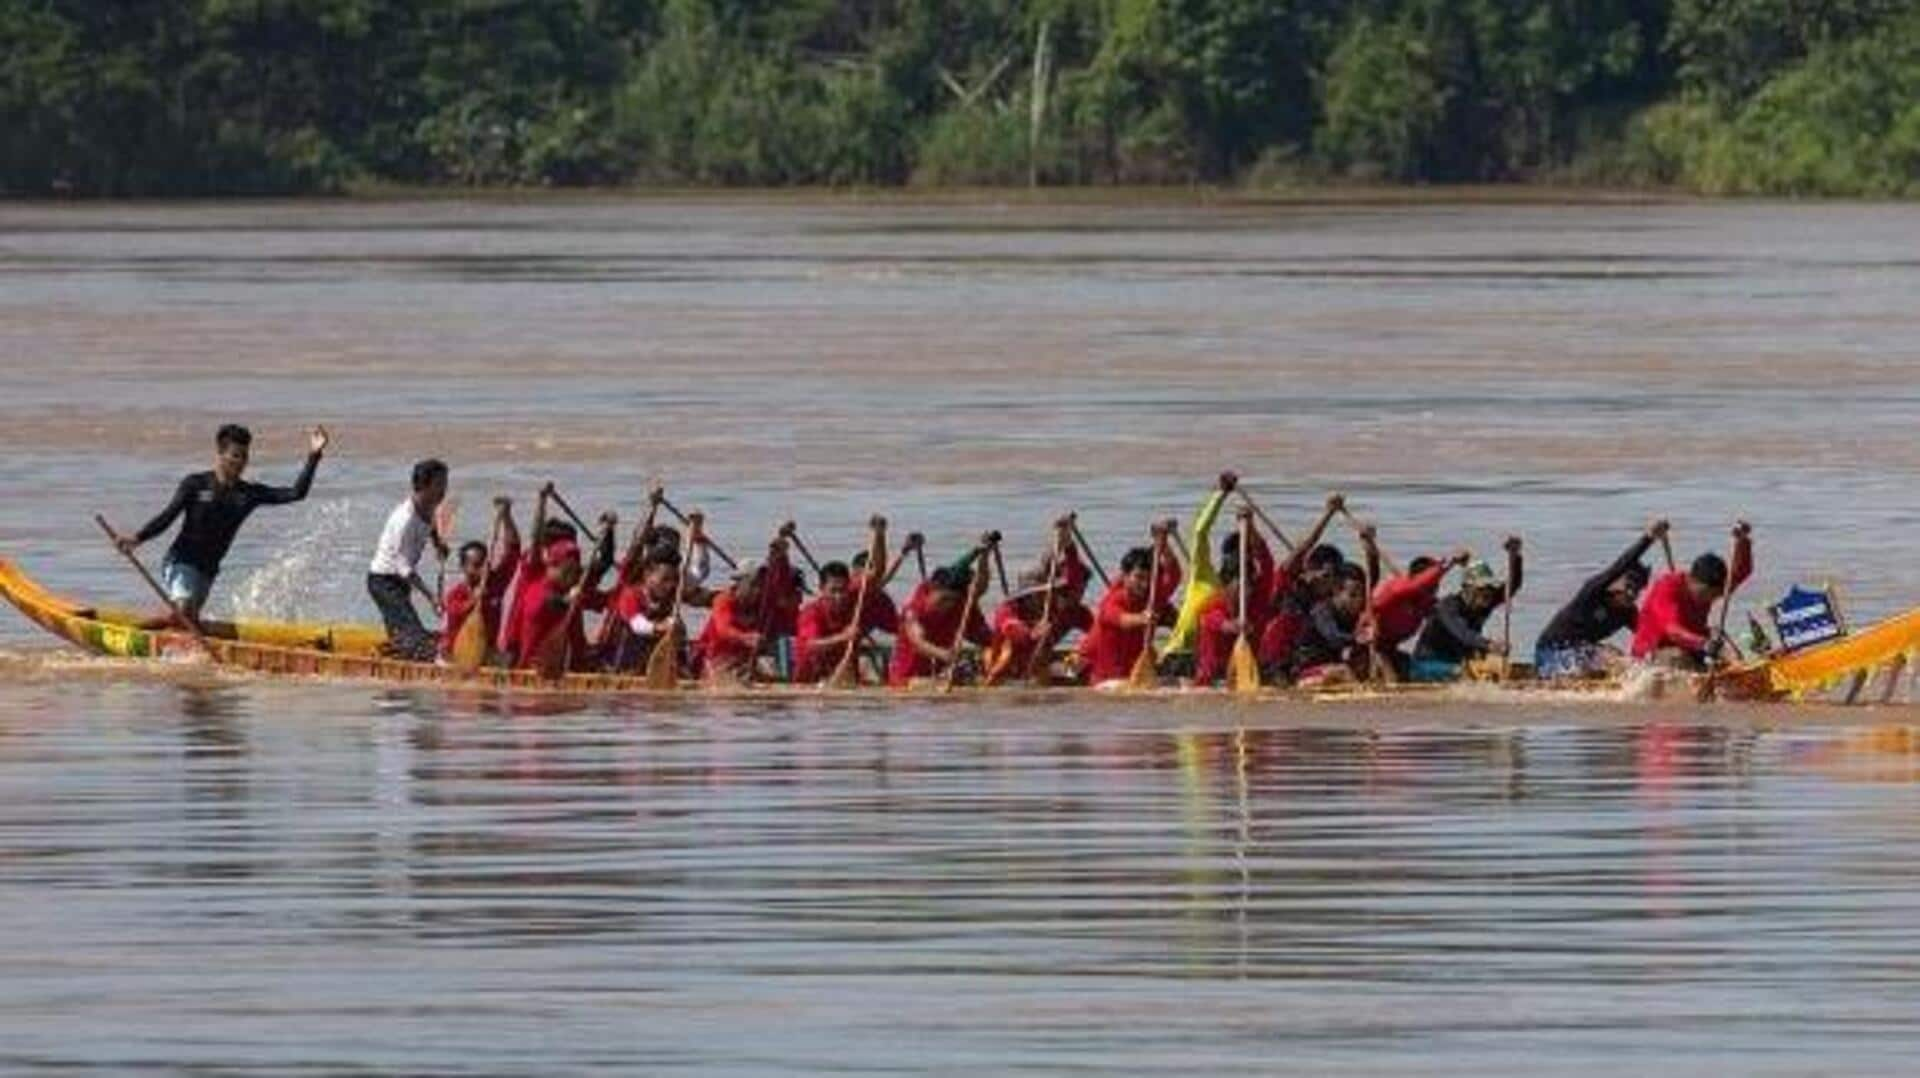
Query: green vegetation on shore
160	97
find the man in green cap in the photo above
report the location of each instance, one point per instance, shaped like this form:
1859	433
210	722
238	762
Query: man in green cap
1452	637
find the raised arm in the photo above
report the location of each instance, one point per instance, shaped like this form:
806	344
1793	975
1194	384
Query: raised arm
316	448
1742	555
1336	503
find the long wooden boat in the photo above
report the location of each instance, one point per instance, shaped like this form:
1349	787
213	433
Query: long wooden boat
354	652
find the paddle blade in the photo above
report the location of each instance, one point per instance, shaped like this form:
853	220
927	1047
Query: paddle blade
1146	671
663	662
1243	669
469	650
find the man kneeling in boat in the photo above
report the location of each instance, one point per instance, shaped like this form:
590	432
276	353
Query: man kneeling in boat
211	506
394	574
1452	643
484	577
930	628
1574	644
1120	625
1672	629
826	628
1332	646
744	618
646	606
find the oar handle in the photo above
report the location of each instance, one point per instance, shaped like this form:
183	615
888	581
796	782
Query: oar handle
554	497
966	613
190	624
1086	548
718	550
1247	500
1386	559
1666	547
793	536
1000	570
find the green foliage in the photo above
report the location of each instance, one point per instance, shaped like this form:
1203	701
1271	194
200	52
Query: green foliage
258	96
1846	121
1383	101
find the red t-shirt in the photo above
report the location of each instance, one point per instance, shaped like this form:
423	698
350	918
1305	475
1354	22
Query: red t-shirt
459	599
820	621
1402	604
1013	637
938	627
1109	649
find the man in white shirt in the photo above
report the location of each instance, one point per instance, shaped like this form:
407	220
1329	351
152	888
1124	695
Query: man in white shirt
395	572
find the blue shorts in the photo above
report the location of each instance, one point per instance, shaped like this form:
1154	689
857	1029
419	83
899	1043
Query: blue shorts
1432	670
185	584
1569	661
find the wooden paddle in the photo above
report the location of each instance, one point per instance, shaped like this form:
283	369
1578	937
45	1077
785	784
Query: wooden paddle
663	662
1710	687
444	519
612	636
1386	559
1374	670
1243	667
792	533
1247	500
554	655
846	672
1073	522
974	588
1146	671
1000	569
718	550
553	495
469	649
920	556
179	613
915	543
1040	661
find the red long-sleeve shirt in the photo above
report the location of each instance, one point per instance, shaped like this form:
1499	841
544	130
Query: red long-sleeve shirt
938	627
1671	617
1109	649
1402	604
728	643
1013	636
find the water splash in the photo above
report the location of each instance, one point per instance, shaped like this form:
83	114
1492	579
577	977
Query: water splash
302	581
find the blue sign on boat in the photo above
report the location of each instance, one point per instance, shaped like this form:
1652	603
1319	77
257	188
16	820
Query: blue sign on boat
1805	618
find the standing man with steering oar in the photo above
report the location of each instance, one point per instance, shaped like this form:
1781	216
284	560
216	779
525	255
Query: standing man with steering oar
211	506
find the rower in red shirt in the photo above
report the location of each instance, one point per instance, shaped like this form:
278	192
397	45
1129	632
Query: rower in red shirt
1402	604
1110	648
744	615
479	580
1039	615
646	609
930	628
544	602
1672	629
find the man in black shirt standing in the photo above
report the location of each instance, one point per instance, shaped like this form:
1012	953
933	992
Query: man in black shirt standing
211	507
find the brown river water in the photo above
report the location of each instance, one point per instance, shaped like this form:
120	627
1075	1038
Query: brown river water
207	873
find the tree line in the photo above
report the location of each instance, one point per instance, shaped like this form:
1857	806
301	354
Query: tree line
178	97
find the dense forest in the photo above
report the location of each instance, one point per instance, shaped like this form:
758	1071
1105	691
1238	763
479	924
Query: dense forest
156	97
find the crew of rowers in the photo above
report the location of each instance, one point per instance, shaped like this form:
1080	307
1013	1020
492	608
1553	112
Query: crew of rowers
1309	615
